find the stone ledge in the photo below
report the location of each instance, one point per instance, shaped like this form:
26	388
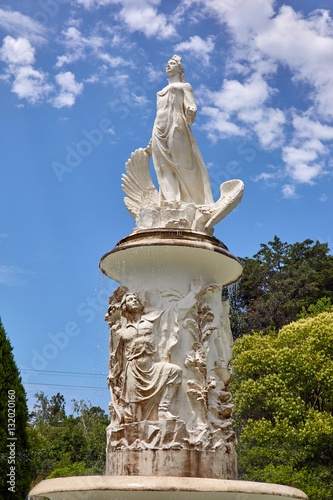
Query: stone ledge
145	488
150	253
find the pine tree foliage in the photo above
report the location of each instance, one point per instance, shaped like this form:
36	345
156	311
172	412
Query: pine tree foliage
11	390
283	393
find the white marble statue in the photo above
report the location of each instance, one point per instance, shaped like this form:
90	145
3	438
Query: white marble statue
185	197
180	169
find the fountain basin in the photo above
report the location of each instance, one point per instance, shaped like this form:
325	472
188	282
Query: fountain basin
161	254
163	488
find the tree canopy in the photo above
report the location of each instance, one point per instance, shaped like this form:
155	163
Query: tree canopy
278	281
283	394
14	445
64	445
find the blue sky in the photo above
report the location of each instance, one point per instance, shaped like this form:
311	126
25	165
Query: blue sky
78	83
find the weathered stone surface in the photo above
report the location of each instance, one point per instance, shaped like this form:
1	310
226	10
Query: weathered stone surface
177	463
148	435
170	362
180	335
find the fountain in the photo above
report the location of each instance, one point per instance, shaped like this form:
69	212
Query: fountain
171	426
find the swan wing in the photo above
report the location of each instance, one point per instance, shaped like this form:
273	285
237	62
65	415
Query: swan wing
137	183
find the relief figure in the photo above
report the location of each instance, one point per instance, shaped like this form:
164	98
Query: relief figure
148	386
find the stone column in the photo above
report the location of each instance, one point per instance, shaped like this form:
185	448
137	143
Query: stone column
170	349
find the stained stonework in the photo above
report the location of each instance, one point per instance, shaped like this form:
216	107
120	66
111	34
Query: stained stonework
168	376
215	464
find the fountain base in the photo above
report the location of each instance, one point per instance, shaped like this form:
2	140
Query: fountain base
176	463
148	487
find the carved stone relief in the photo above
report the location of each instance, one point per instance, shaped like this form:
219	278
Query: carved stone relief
169	369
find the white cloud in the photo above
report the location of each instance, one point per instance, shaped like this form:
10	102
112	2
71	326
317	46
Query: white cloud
119	79
306	47
113	61
265	39
245	104
31	84
198	47
289	191
323	198
138	15
305	158
270	178
17	51
304	173
243	17
21	25
88	4
219	126
69	90
300	163
303	44
77	46
265	176
98	76
27	82
146	19
11	276
306	128
235	96
269	128
293	156
154	75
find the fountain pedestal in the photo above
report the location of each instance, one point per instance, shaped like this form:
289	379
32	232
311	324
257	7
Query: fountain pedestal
177	275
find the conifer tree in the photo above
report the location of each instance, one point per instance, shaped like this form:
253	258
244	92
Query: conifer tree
15	475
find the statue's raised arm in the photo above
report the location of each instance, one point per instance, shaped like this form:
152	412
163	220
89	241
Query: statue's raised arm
185	197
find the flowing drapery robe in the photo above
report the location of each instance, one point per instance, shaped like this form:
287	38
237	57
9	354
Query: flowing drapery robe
143	379
180	169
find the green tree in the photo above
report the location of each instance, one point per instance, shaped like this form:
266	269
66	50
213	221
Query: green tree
67	445
92	422
283	394
14	454
48	412
278	281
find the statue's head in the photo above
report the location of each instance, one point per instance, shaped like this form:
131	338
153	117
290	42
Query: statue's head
174	65
130	304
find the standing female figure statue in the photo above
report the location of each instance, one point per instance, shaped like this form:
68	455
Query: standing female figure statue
184	199
181	173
